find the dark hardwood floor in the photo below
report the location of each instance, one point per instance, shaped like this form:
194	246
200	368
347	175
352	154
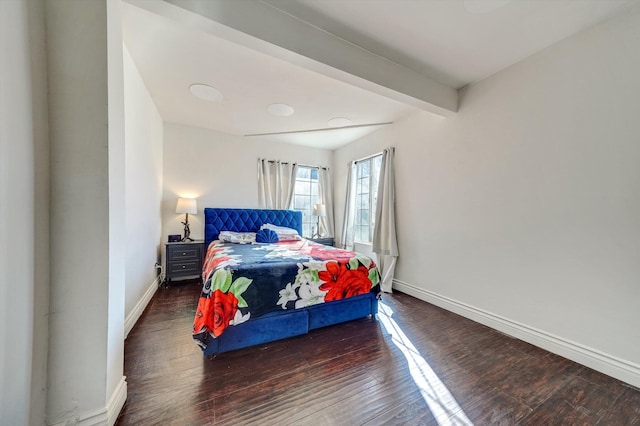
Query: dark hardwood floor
417	365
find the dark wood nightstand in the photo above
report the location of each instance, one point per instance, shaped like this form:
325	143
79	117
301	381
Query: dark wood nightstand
183	259
327	241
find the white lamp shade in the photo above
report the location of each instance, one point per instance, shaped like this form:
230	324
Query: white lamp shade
187	205
319	210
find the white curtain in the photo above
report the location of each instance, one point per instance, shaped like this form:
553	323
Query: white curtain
346	237
325	189
385	243
276	182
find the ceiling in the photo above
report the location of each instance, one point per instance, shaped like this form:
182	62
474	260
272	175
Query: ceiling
442	45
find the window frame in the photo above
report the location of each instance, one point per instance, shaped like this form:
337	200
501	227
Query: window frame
364	227
309	221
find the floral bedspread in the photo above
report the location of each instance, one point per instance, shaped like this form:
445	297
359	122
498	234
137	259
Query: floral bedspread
243	281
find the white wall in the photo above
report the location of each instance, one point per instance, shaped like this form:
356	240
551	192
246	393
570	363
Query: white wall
116	385
143	134
86	122
17	214
523	210
219	169
41	204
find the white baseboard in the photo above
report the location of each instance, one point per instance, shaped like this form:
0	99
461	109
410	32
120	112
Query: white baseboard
105	416
116	402
135	313
627	371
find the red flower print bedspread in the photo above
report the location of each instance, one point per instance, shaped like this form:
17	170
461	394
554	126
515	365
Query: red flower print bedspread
243	281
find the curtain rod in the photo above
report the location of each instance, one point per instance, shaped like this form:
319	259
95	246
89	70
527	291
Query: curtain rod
367	158
301	165
372	155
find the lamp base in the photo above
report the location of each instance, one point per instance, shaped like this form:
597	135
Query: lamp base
187	230
316	232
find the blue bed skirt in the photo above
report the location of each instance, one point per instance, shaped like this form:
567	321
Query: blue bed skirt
282	325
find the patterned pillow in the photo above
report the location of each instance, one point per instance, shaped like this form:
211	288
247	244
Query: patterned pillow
267	236
237	237
284	233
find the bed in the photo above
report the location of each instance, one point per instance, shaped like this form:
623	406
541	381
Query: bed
261	292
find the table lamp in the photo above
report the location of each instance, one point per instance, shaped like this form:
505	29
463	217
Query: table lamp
319	210
186	206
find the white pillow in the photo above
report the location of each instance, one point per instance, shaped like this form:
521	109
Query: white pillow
237	237
284	233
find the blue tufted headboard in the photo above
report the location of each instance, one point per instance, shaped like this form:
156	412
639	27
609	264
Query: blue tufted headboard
246	220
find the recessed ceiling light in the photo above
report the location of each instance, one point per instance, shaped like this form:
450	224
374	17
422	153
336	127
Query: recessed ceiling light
483	6
281	110
206	92
339	122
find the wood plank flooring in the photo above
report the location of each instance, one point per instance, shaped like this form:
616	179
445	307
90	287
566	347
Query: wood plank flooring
415	365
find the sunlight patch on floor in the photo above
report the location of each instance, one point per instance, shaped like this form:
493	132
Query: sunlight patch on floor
442	404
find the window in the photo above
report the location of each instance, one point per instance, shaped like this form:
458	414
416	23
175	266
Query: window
367	174
305	195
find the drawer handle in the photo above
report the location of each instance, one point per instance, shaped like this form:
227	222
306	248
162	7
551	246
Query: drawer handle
184	253
184	266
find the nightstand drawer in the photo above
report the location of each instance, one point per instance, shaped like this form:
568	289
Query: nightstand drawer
327	241
182	252
184	268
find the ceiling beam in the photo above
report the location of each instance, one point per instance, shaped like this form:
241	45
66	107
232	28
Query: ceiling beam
263	28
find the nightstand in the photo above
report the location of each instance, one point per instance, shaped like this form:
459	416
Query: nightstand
327	241
183	259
